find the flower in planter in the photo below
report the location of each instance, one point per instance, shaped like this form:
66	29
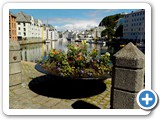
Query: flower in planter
77	62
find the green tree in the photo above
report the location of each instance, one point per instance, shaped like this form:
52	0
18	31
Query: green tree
110	21
108	31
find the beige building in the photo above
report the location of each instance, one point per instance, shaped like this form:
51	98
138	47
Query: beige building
134	25
12	27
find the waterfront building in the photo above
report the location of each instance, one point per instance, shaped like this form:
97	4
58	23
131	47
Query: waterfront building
60	34
96	32
38	28
49	32
134	25
65	34
45	31
28	28
12	27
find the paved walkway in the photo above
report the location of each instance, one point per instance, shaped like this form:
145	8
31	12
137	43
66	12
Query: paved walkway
24	97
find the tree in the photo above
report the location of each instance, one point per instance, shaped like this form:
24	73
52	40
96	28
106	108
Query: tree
109	21
119	31
108	31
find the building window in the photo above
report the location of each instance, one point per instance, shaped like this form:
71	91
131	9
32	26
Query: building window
19	23
24	24
24	34
19	28
139	29
24	29
19	33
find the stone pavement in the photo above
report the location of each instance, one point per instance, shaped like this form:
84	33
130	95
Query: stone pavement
24	97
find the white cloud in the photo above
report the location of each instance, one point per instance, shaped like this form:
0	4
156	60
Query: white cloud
83	25
63	24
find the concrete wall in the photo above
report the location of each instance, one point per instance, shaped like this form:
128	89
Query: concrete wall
127	78
14	63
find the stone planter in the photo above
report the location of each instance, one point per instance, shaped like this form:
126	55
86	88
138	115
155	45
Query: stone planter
39	68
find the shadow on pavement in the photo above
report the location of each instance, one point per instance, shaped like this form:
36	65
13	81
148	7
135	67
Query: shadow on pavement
66	89
83	105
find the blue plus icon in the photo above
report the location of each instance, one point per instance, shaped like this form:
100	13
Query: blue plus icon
147	99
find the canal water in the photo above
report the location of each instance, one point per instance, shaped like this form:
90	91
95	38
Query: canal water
35	52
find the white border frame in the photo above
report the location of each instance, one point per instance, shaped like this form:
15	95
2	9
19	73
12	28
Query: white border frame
8	6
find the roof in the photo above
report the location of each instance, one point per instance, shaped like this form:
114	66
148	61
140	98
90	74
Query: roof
49	26
137	11
36	21
12	14
22	17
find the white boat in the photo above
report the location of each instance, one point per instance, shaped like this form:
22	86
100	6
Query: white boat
100	42
47	41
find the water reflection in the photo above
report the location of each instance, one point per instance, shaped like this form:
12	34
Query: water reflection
34	52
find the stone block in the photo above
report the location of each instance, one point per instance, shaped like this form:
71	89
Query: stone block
15	79
14	68
129	56
124	100
14	45
128	79
14	56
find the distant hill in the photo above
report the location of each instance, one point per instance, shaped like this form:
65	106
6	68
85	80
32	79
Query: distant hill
110	21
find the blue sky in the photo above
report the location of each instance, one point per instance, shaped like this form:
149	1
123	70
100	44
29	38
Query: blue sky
72	19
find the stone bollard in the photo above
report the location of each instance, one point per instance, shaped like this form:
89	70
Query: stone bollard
127	78
14	63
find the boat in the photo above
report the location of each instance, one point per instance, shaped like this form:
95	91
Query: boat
47	41
69	39
78	41
91	41
100	42
54	40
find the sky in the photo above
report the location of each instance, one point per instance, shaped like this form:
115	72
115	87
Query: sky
71	19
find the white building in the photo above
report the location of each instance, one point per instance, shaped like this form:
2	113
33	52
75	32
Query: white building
134	25
96	32
65	34
28	28
38	28
50	33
